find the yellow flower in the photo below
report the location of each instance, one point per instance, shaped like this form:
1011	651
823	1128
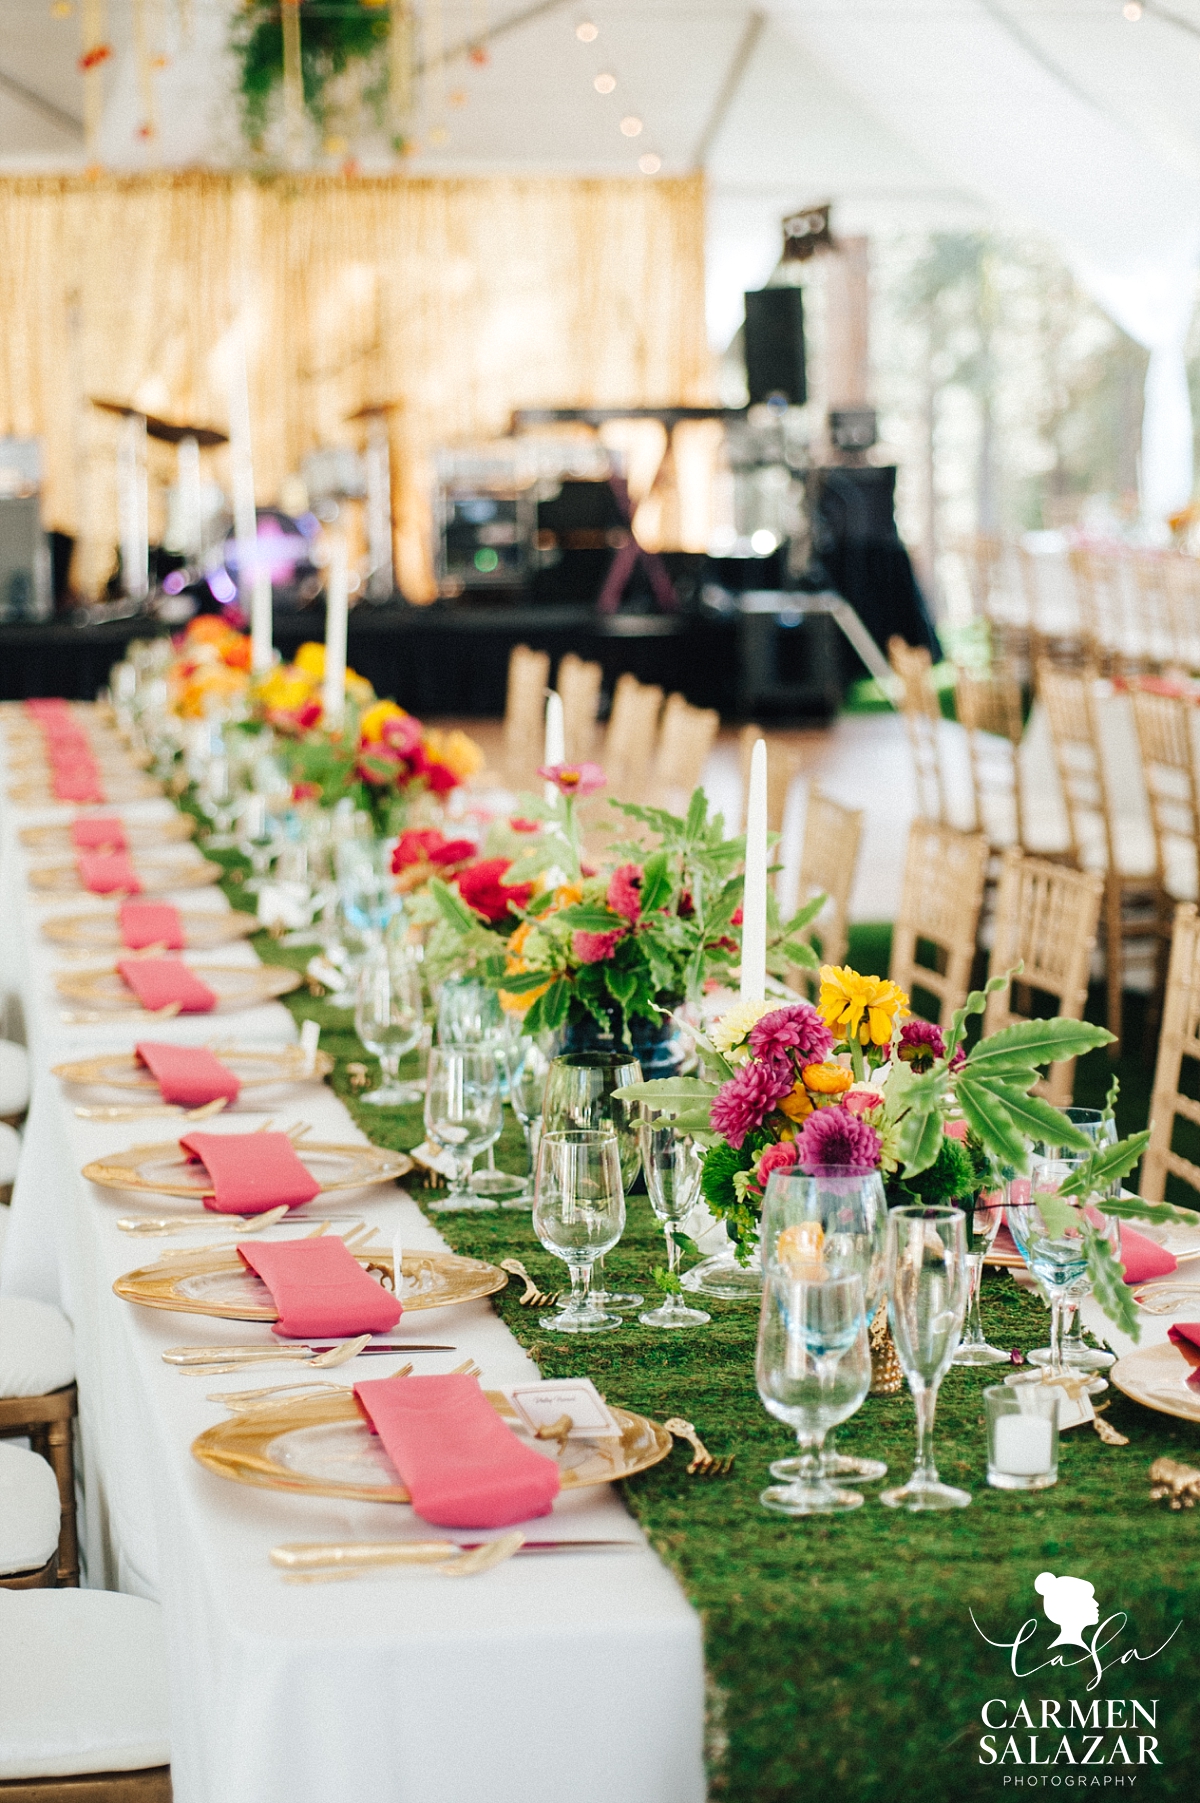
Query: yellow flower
358	688
863	1007
456	750
285	690
796	1105
566	896
375	719
310	661
827	1079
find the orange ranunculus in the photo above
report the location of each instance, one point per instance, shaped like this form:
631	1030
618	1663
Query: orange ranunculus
827	1079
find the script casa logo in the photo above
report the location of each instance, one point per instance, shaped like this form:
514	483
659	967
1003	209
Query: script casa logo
1073	1730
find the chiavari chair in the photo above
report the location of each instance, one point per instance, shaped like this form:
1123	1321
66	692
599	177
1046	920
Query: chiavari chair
1057	630
685	743
525	715
938	917
1183	591
1047	918
1166	739
38	1402
29	1517
1179	1039
828	860
989	711
922	715
630	739
1154	608
578	684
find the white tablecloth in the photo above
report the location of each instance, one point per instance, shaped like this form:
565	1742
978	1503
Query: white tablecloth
573	1675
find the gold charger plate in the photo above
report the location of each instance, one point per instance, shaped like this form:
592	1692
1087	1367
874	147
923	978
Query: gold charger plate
234	986
1156	1377
166	1169
116	789
322	1446
176	826
156	876
217	1283
122	1070
101	931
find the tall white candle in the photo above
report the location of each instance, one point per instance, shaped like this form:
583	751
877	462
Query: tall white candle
254	585
337	603
754	893
554	750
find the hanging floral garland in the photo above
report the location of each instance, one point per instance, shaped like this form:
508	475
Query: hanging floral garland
334	36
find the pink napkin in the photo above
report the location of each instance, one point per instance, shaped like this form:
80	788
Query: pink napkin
462	1466
108	873
79	782
1186	1335
251	1172
189	1075
1143	1258
157	982
99	832
151	923
320	1289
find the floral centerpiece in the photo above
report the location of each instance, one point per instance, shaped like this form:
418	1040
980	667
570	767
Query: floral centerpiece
211	666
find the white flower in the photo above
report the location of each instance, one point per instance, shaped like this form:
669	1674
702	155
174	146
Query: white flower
729	1033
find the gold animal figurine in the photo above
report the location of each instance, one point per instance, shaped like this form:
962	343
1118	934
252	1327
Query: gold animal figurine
1181	1483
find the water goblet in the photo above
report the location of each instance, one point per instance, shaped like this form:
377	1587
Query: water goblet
926	1275
673	1164
973	1347
462	1116
813	1368
388	1019
580	1092
1076	1354
469	1014
1057	1253
579	1215
528	1060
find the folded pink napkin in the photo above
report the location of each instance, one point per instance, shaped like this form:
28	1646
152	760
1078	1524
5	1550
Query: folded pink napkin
99	832
251	1172
462	1466
189	1075
81	782
157	982
1186	1335
320	1288
1143	1258
108	873
151	923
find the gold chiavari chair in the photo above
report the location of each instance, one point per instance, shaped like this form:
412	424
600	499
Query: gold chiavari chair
828	860
685	744
629	741
922	714
989	711
1180	1039
1046	919
1165	729
1148	573
1133	898
1183	591
938	917
578	684
525	715
1057	631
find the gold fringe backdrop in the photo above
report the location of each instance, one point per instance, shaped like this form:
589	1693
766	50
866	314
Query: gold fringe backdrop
460	299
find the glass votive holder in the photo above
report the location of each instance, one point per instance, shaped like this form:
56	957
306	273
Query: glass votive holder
1022	1436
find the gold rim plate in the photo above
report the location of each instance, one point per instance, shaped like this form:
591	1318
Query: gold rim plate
318	1447
176	826
233	986
116	789
216	1283
122	1070
1156	1376
166	1169
156	877
101	931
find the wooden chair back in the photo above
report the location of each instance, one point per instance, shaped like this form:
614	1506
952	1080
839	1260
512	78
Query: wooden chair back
922	714
1165	738
828	859
578	684
1046	919
1066	696
944	874
629	741
685	743
1180	1039
152	1785
1183	591
989	710
525	715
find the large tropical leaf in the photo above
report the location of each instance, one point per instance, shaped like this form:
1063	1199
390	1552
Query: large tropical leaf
1037	1042
990	1121
1161	1214
452	906
1040	1120
1106	1166
1109	1286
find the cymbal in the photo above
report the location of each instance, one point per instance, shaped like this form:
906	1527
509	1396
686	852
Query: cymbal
206	436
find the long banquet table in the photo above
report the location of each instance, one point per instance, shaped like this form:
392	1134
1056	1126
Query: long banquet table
573	1674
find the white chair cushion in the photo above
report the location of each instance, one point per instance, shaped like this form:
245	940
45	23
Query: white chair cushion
29	1513
10	1152
14	1078
83	1683
37	1347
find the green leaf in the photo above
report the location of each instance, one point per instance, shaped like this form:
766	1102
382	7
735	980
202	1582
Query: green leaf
452	906
1059	1216
1039	1119
591	917
697	814
1109	1110
622	983
521	982
1161	1214
975	1003
1106	1166
656	883
669	1093
990	1121
550	1011
920	1139
1038	1042
799	953
805	916
1109	1286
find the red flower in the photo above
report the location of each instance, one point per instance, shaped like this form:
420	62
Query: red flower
402	735
624	891
306	791
482	888
594	948
440	778
429	847
735	919
91	59
308	715
524	826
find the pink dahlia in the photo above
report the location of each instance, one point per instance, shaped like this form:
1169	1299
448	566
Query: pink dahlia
594	948
835	1137
748	1098
625	891
797	1029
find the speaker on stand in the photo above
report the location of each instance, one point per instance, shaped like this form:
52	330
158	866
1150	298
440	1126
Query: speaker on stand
774	345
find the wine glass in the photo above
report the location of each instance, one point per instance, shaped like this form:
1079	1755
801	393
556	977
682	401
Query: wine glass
973	1347
673	1163
367	898
469	1014
579	1215
580	1092
462	1116
813	1368
833	1218
528	1060
1077	1355
1057	1259
388	1019
926	1275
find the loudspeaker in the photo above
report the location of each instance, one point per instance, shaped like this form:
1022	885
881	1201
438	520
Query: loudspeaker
24	561
774	342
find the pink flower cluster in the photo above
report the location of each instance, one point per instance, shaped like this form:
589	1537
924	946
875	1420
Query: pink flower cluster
833	1137
748	1098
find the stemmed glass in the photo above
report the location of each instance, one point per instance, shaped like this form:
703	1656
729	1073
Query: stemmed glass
388	1019
673	1163
528	1060
1077	1355
1057	1259
469	1014
813	1368
832	1219
581	1092
366	895
974	1348
926	1275
462	1116
218	795
579	1215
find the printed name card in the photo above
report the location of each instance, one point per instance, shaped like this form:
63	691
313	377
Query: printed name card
544	1405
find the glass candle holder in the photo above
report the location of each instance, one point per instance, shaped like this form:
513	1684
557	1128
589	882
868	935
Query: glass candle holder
1022	1433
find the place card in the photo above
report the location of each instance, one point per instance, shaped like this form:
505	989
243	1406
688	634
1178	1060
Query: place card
433	1160
544	1405
1074	1403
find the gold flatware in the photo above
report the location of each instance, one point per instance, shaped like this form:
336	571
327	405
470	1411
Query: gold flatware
166	1170
300	1568
243	1224
468	1368
253	1069
91	1017
1164	1298
240	1400
226	1358
125	1111
532	1296
703	1464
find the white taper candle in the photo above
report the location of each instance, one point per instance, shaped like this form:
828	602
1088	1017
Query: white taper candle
754	893
554	748
337	602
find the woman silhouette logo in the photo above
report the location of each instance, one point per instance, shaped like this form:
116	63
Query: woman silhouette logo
1070	1603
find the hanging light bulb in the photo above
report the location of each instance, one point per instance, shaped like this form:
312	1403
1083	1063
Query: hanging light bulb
650	164
586	32
604	84
1133	11
631	126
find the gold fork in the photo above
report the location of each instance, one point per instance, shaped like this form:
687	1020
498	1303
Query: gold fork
242	1224
241	1400
703	1464
316	1564
120	1111
532	1297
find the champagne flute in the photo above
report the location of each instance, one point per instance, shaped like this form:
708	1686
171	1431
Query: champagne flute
528	1060
973	1347
1076	1354
813	1368
580	1092
579	1215
926	1274
388	1019
469	1014
462	1116
673	1163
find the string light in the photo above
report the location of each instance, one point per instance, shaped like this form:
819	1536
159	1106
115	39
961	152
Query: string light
631	125
1133	11
604	84
586	32
649	164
